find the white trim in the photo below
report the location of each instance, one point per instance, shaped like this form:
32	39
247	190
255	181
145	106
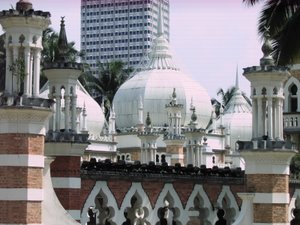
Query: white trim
271	223
75	214
21	194
271	198
22	160
19	224
66	182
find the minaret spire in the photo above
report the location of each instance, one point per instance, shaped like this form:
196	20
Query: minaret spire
237	78
62	41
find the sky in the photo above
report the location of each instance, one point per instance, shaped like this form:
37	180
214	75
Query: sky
211	39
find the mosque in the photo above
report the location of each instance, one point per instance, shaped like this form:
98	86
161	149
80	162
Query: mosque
162	158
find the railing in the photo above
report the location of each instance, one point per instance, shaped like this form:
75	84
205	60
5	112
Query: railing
291	120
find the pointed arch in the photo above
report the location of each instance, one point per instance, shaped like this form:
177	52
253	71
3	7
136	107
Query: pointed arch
100	187
227	202
136	197
288	94
294	203
169	193
205	206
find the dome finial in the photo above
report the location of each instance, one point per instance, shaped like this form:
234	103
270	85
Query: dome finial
148	120
62	41
237	77
160	25
267	59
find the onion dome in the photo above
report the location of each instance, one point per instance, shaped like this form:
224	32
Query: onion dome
154	83
24	5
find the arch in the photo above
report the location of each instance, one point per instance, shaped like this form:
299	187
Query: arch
199	203
227	202
263	91
136	206
168	193
254	92
34	39
275	91
105	212
21	39
100	187
291	81
294	203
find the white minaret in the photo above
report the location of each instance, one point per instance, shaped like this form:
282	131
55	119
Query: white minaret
23	43
148	142
193	141
174	139
267	156
23	123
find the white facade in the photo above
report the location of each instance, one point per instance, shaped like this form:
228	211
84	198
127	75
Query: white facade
120	29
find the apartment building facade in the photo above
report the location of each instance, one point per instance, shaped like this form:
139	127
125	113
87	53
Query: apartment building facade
120	30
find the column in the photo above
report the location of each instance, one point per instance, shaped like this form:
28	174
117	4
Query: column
254	118
15	79
27	79
74	110
8	76
270	118
280	113
58	111
188	147
67	111
264	116
259	121
36	78
31	73
276	118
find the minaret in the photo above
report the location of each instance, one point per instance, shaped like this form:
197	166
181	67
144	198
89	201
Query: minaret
193	141
267	156
63	142
148	142
22	119
174	139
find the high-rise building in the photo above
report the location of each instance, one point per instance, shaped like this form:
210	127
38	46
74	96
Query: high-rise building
120	29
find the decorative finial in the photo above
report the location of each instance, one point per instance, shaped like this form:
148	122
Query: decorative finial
62	41
194	115
237	77
174	100
24	5
267	59
148	120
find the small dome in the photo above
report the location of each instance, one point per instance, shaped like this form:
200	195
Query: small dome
238	118
95	117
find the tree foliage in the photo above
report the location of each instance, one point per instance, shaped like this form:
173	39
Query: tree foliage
282	19
104	85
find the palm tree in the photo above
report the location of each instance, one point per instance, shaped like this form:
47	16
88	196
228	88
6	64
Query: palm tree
104	86
50	50
282	20
225	98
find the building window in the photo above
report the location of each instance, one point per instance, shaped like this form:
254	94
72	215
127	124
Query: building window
293	98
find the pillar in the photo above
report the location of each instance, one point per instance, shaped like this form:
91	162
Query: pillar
22	133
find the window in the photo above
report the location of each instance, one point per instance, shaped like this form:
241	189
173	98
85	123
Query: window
293	98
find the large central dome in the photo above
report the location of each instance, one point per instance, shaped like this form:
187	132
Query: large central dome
153	86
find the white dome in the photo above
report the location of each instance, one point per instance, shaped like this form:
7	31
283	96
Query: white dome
95	116
155	87
238	118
